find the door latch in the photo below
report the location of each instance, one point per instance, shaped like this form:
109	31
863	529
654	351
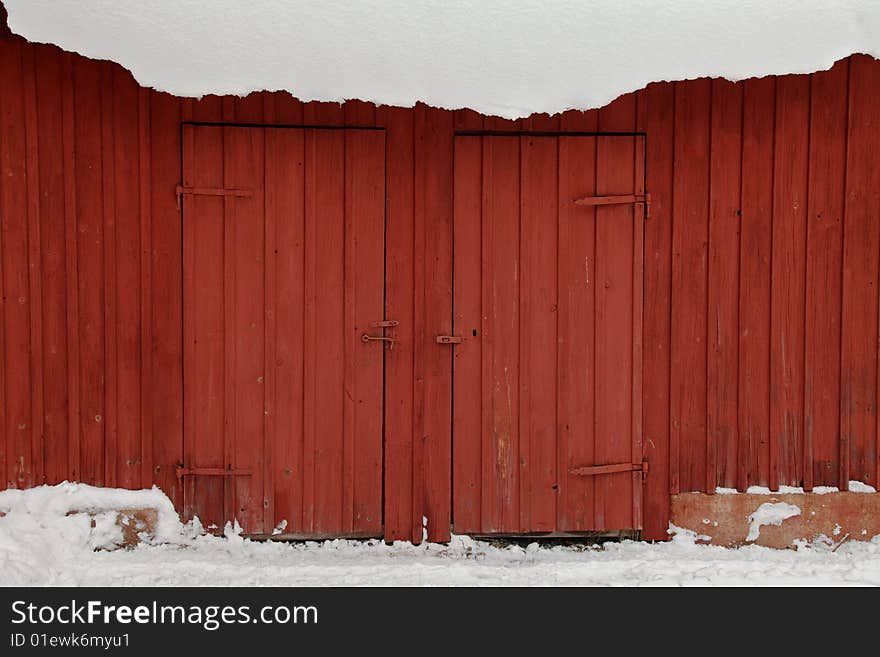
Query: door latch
448	339
389	341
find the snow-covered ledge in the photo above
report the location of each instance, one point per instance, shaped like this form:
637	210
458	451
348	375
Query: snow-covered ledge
112	517
780	519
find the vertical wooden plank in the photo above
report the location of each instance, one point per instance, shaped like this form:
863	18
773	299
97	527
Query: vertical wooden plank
50	137
16	284
110	291
858	421
501	312
467	302
754	298
538	334
35	265
788	272
689	281
659	124
823	270
145	309
365	214
615	163
576	328
284	186
638	287
325	175
167	306
288	110
90	258
433	217
243	157
204	326
127	291
399	266
723	286
68	109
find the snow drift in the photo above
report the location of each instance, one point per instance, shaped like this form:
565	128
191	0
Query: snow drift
502	58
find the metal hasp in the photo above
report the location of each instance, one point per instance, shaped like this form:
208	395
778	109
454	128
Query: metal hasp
616	200
212	472
592	470
378	338
448	339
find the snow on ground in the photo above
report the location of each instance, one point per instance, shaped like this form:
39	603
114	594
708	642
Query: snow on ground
42	546
495	56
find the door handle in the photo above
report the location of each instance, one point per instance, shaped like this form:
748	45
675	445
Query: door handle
366	338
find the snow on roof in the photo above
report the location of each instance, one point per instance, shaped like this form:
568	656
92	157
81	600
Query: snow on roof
508	58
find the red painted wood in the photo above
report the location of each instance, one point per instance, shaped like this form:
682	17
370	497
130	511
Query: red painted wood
754	297
53	249
91	239
576	378
656	112
788	271
538	340
399	265
823	277
858	421
723	286
467	382
689	283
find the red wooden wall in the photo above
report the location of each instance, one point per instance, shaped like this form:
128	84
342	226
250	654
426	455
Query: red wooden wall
761	277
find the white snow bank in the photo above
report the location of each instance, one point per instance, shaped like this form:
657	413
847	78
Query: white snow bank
498	57
770	513
45	505
854	487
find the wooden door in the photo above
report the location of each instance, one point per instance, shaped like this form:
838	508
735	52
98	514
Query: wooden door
283	275
548	264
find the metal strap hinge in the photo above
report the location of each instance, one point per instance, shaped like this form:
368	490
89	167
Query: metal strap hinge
618	199
213	472
182	190
613	468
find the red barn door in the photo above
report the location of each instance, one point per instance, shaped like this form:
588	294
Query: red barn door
283	275
548	266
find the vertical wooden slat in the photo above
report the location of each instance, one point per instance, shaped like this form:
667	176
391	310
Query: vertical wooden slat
399	265
500	330
788	270
615	163
365	216
50	137
858	421
35	265
90	244
127	293
467	394
659	124
637	304
689	280
166	318
575	352
823	270
576	326
538	333
723	286
433	217
18	428
754	297
111	282
146	298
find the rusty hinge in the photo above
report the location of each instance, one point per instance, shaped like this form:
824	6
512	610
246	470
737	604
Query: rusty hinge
212	472
592	470
385	323
448	339
616	200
